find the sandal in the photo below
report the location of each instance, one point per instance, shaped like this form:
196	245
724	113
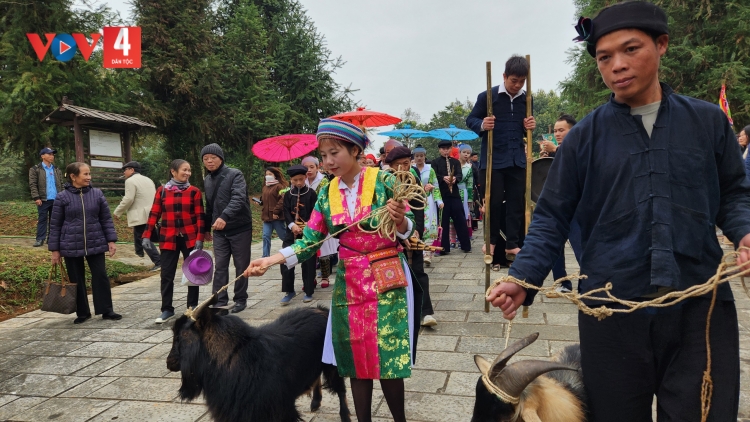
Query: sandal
324	283
496	267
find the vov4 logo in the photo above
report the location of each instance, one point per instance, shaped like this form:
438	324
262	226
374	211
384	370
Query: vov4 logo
121	46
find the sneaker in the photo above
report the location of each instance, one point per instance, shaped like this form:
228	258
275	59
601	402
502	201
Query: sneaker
562	289
165	316
427	260
307	299
429	321
288	298
155	268
38	243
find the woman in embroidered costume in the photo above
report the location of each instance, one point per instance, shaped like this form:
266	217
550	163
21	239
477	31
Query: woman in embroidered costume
434	199
467	185
370	326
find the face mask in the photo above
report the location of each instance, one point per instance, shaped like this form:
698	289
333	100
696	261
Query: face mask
270	178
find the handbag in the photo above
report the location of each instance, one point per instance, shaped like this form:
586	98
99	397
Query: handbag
387	270
59	298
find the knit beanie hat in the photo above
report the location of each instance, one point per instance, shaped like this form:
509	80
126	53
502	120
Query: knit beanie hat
214	149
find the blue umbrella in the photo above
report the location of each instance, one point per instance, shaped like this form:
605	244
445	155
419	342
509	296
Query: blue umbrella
406	133
452	133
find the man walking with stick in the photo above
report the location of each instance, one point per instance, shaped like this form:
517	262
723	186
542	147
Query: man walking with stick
646	177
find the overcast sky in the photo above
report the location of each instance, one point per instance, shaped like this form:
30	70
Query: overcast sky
423	54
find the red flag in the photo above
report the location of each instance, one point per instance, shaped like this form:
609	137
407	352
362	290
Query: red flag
724	104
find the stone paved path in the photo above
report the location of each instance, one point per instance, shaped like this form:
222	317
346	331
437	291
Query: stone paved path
101	370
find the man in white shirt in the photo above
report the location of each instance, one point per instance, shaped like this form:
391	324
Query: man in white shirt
139	196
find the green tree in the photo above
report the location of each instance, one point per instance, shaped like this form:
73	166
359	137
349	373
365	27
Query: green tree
709	45
548	106
182	75
301	66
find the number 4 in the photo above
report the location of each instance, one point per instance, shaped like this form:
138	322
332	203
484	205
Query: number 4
121	43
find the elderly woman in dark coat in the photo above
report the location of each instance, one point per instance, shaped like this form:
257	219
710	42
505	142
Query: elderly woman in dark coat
81	227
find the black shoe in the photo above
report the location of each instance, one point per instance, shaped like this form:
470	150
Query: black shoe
223	312
38	243
238	307
465	251
140	255
81	319
113	316
156	267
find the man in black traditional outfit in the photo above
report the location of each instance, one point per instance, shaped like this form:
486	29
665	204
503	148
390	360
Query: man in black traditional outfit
299	202
646	177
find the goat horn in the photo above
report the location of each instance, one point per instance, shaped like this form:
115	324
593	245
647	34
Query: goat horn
508	353
193	313
515	378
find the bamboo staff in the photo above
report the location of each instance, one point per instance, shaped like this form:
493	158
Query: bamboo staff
529	136
488	190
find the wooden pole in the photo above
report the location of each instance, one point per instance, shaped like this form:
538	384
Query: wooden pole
529	143
529	139
488	192
126	147
78	135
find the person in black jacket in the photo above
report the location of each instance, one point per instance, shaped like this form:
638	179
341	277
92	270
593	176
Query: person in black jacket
228	215
453	208
299	203
508	124
81	229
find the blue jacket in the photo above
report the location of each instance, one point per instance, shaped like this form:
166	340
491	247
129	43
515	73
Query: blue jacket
646	208
508	134
81	224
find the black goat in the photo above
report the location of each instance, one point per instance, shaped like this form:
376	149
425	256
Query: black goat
530	390
254	374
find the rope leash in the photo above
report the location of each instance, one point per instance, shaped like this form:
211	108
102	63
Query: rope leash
727	270
405	188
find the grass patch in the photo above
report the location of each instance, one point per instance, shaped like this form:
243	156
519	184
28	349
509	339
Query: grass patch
24	272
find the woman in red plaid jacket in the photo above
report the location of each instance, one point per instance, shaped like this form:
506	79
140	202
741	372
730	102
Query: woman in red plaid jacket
179	206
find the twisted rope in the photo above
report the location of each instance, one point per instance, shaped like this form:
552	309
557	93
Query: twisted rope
728	269
405	188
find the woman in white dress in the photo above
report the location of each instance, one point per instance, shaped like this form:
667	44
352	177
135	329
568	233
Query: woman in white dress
434	200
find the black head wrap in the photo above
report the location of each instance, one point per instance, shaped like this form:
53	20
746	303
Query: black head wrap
642	15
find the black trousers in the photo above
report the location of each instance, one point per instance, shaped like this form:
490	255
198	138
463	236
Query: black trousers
308	274
100	289
44	213
421	295
453	208
153	254
169	261
508	185
236	246
629	358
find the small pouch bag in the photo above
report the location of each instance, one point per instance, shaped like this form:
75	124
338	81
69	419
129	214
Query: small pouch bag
387	270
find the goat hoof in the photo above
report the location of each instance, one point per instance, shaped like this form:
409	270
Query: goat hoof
315	405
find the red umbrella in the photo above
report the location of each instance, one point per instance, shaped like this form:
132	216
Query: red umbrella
285	147
367	118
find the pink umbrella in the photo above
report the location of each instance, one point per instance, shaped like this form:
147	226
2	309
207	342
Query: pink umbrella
285	147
